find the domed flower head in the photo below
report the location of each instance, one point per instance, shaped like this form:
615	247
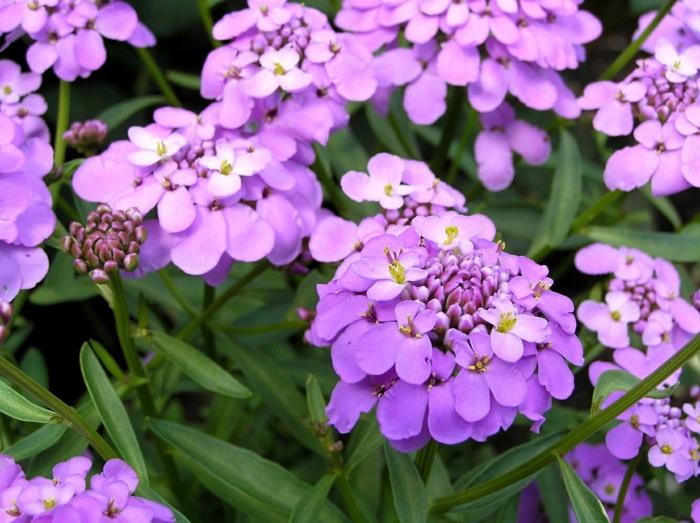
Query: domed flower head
423	322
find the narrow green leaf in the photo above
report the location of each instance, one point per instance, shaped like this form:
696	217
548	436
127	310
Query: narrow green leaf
112	412
269	381
34	364
619	380
384	133
315	401
182	79
564	197
119	113
250	483
657	519
410	499
309	506
509	512
553	494
366	439
13	404
664	206
198	367
586	505
677	247
36	442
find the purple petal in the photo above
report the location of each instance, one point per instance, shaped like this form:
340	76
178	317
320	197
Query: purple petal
445	425
401	410
472	395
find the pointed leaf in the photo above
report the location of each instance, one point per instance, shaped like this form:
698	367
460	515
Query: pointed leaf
315	401
365	440
16	406
198	367
586	505
112	412
309	507
553	494
410	499
620	380
120	112
247	481
678	247
36	442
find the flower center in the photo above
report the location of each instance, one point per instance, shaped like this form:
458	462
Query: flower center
226	167
480	365
539	288
49	503
609	489
506	322
112	510
7	89
161	149
278	69
666	448
677	65
407	330
451	231
388	189
397	271
615	315
634	421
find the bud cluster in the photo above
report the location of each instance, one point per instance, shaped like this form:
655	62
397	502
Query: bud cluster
86	137
109	242
5	317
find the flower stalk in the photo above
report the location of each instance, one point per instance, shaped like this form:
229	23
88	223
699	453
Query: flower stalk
62	121
158	76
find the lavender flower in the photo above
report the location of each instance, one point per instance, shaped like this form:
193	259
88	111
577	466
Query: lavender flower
86	137
432	322
491	49
19	101
287	73
67	497
220	194
69	36
110	242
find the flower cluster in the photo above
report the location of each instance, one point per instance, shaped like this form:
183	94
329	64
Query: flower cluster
493	47
643	297
220	196
657	103
643	301
67	497
110	242
681	26
68	35
86	137
285	72
26	218
19	101
604	476
429	318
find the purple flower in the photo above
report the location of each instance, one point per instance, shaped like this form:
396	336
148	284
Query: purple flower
610	320
693	417
670	451
695	511
511	329
679	66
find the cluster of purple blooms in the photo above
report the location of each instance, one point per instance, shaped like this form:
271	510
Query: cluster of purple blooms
26	218
66	497
68	35
643	302
285	75
220	194
604	476
431	321
86	137
657	103
493	48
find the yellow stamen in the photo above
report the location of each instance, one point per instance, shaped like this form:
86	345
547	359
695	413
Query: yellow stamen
226	167
452	231
506	322
161	149
397	272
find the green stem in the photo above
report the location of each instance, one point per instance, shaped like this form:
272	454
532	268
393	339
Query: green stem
425	458
219	302
461	147
158	76
62	121
455	103
622	494
356	513
69	416
176	293
207	21
582	432
631	50
408	144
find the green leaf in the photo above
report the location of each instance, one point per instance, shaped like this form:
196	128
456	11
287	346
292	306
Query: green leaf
678	247
34	364
619	380
384	133
198	367
120	112
36	442
564	197
410	499
657	519
315	401
509	512
250	483
62	284
182	79
269	381
553	494
308	508
664	206
112	412
365	440
586	505
13	404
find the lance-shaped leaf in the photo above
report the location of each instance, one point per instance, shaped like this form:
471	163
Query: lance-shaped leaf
586	505
16	406
410	499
